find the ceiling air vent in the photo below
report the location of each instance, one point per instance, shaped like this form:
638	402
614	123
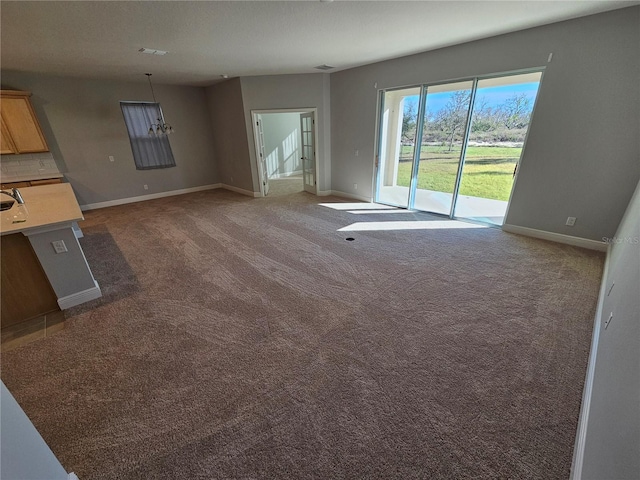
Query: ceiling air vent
152	51
324	67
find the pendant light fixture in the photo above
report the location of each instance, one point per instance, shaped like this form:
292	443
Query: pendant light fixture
160	128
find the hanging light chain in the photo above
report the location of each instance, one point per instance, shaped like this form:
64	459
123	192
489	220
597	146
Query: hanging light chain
160	128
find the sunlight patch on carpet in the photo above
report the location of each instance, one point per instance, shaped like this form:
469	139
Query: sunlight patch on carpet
436	224
366	212
356	206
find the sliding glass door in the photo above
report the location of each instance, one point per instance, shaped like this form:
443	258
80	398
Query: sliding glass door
453	148
396	147
445	121
501	115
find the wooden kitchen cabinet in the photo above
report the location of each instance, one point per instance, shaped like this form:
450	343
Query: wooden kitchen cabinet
25	290
30	183
46	181
6	144
21	132
9	186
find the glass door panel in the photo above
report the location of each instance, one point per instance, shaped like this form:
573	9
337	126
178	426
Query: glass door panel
308	152
445	120
397	138
501	115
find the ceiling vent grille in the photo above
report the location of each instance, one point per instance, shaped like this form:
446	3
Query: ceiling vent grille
152	51
324	67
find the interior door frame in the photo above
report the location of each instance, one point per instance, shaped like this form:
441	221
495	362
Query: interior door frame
259	138
256	142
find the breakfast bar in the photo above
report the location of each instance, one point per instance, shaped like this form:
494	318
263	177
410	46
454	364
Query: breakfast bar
43	225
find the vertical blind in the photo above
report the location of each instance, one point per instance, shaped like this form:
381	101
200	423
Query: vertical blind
149	151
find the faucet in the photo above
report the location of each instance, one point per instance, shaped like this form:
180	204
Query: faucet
15	194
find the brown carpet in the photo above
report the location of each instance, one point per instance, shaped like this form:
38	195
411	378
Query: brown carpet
244	338
285	185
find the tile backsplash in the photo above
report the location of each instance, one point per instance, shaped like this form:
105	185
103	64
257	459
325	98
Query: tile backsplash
27	165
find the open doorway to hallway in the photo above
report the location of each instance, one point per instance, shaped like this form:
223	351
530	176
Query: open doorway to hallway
285	151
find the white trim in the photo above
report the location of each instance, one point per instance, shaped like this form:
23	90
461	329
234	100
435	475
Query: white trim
338	193
80	297
324	193
263	178
583	420
556	237
316	129
76	230
283	110
248	193
151	196
72	476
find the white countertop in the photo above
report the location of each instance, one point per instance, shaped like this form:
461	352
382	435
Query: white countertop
46	206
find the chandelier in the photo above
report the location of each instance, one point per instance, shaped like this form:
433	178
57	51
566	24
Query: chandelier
160	128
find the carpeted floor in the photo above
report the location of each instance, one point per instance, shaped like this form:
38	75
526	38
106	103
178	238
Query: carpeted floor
285	185
244	338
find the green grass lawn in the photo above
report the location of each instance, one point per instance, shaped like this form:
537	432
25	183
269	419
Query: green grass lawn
488	171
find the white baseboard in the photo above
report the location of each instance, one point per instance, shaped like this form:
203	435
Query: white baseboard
151	196
583	420
248	193
338	193
323	193
72	476
556	237
80	297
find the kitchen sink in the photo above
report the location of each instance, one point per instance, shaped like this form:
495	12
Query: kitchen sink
6	204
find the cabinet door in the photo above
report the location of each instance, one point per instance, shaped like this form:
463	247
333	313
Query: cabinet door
26	291
6	145
20	120
10	185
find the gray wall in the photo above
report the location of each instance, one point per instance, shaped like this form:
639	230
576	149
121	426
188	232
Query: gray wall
23	452
582	155
229	131
282	143
291	92
613	422
83	124
68	273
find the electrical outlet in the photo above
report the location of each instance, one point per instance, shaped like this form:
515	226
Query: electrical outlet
59	246
355	186
111	159
571	221
606	324
357	153
146	187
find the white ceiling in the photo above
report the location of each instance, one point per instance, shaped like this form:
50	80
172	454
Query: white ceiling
206	39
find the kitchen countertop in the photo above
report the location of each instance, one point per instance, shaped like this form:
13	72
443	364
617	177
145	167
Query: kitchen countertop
46	205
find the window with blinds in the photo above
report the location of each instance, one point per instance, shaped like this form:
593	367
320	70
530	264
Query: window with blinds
150	150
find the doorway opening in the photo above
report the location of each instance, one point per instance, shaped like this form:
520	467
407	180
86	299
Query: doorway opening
285	142
454	148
